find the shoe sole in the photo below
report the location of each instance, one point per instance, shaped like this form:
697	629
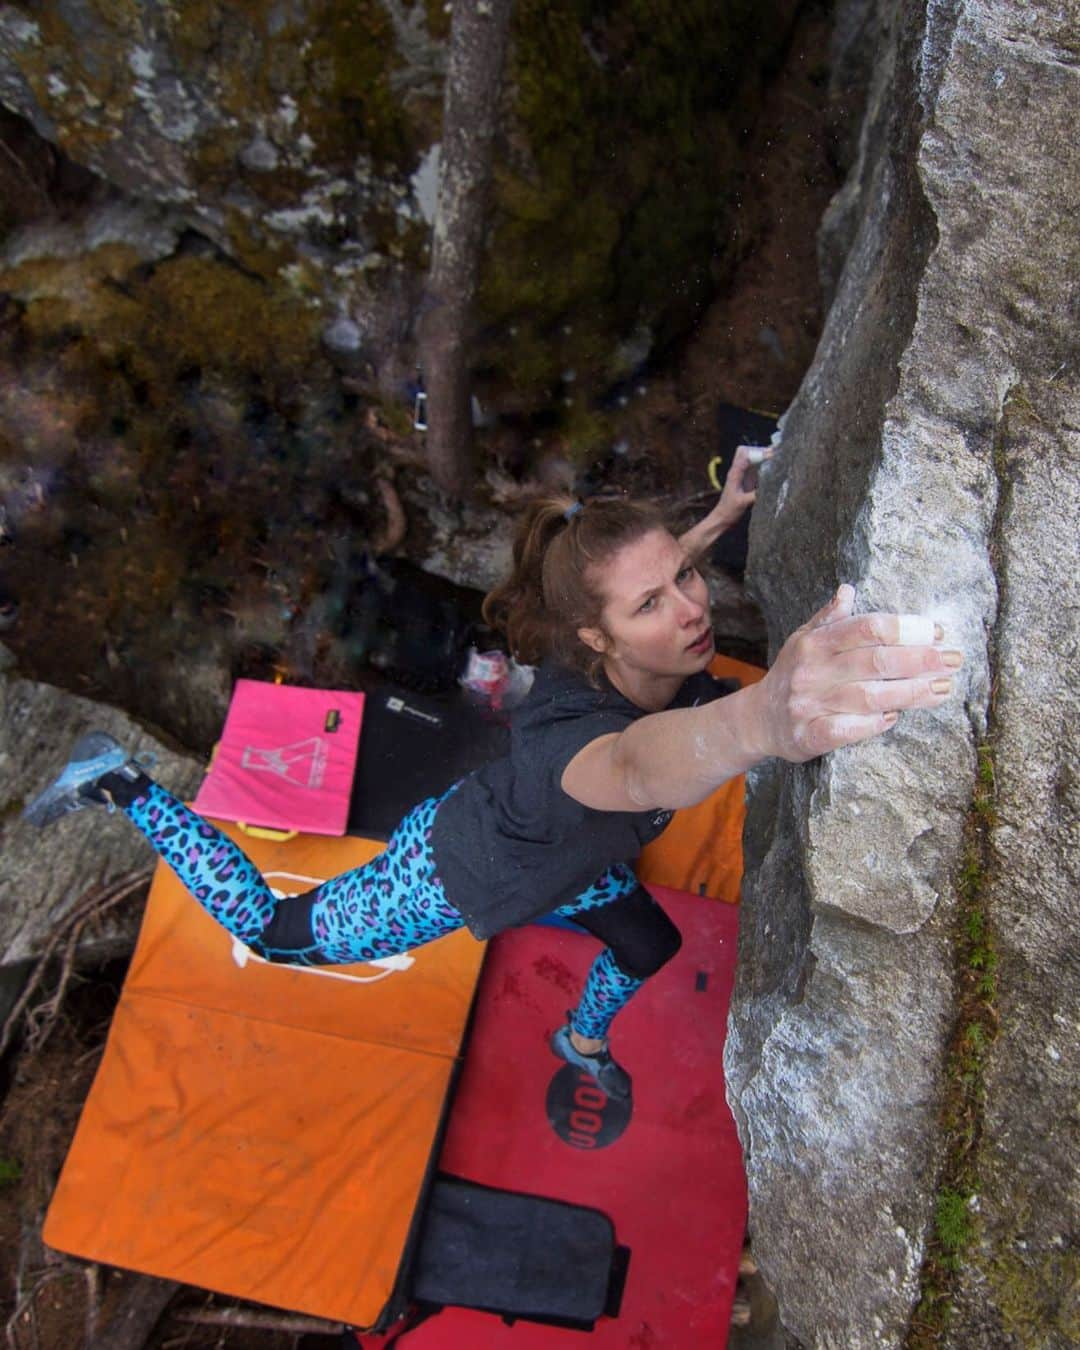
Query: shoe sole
61	797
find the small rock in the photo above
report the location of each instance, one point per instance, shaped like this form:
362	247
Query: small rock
343	336
260	156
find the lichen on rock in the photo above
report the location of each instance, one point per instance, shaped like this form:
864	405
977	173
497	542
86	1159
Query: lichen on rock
290	135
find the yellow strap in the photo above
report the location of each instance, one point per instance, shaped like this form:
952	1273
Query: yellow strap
264	832
714	478
258	831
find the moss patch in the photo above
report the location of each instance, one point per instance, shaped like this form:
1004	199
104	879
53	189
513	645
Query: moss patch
613	195
350	56
200	312
186	312
1028	1294
955	1213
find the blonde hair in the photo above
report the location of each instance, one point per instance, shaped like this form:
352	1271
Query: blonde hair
552	590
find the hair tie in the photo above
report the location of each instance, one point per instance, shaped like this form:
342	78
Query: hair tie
571	511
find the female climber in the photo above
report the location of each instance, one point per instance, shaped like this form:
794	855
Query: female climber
622	726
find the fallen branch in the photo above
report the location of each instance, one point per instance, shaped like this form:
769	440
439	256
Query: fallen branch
257	1319
92	1273
93	905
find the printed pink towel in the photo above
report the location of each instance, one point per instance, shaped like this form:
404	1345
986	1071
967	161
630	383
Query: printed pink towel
286	758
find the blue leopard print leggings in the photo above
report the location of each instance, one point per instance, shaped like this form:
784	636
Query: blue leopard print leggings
389	905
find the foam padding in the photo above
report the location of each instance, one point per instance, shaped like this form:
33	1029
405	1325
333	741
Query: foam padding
286	758
672	1181
265	1131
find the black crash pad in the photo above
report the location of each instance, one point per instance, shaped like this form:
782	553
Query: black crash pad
523	1256
413	746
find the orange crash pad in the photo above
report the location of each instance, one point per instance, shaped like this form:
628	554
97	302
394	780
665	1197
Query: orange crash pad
259	1130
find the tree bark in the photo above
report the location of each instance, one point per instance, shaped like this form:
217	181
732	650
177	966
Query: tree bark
478	39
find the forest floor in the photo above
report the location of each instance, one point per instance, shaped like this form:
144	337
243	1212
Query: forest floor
751	349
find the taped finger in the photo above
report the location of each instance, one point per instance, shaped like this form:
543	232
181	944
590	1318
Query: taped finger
881	629
917	630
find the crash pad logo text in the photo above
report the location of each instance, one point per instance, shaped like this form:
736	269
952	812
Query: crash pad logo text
581	1113
302	762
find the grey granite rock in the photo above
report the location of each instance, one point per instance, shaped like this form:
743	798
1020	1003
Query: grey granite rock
45	872
930	459
224	119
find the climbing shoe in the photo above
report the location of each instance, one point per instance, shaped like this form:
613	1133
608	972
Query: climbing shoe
609	1076
78	784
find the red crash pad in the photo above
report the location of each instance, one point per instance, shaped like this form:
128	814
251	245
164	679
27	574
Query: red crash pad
669	1175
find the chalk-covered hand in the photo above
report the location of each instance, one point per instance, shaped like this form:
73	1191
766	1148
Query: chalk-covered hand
740	486
842	678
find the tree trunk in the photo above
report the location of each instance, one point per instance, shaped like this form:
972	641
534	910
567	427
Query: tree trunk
478	40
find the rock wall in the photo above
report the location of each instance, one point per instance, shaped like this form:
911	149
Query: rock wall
299	139
903	1030
46	873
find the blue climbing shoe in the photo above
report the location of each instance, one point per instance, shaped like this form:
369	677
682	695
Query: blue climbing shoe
75	788
611	1077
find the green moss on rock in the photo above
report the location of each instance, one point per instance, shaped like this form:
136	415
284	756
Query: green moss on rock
265	254
88	115
613	193
953	1225
200	312
350	56
189	312
73	294
956	1216
1038	1297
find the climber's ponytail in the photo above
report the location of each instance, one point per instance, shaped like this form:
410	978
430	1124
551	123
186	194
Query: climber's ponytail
552	590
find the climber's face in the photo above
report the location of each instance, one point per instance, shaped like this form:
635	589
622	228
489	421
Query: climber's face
654	628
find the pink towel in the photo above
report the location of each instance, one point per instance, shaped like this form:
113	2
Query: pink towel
286	758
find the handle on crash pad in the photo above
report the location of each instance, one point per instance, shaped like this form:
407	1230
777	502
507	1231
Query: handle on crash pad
265	832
